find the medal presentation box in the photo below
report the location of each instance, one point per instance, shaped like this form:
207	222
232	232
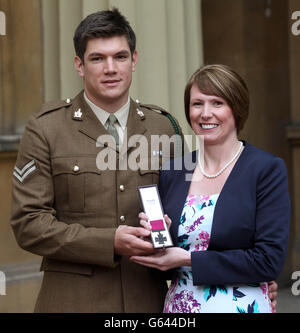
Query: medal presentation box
153	209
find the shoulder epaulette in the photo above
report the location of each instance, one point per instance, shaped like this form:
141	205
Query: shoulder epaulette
175	125
162	111
165	113
52	106
154	108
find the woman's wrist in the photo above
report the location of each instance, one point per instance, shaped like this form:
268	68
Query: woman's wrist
186	259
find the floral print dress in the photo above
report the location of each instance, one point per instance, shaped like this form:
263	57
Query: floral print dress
193	235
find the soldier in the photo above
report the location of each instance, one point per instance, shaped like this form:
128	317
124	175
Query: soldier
82	218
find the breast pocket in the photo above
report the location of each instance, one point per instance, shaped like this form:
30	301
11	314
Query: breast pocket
148	177
77	183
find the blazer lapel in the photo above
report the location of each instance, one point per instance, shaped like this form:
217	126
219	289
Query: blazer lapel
181	188
183	183
225	199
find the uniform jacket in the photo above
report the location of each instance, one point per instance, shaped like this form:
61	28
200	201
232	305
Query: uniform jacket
250	227
66	209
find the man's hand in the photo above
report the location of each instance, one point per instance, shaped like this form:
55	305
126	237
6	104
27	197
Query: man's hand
129	242
144	221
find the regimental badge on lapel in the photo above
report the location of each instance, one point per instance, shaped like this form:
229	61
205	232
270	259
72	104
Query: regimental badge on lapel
22	174
139	112
78	114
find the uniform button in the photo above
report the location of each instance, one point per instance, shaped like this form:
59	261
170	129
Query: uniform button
122	188
122	219
76	168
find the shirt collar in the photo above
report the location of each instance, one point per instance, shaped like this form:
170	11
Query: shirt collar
102	115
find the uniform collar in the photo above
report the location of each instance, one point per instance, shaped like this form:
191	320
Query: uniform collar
91	126
102	115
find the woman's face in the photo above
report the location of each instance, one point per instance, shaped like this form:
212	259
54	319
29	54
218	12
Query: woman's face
212	117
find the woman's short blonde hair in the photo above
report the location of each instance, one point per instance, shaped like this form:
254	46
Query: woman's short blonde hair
224	82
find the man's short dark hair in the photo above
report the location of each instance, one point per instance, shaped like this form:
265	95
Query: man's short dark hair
102	24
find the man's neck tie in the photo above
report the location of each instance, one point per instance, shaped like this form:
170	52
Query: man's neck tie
112	130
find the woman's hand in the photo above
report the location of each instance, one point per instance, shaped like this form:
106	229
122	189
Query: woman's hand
272	291
165	259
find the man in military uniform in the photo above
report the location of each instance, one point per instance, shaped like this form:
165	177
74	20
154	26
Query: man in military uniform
81	217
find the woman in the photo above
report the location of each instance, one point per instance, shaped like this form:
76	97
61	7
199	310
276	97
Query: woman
231	219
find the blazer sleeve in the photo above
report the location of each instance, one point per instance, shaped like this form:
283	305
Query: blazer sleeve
264	261
33	217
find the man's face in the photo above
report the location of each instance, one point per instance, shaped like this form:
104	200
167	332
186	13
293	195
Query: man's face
107	71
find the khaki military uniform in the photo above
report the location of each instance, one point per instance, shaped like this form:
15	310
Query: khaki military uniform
66	209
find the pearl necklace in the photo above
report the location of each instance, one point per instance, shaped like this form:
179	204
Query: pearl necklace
224	167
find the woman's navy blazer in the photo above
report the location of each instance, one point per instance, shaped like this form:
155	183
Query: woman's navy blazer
250	229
